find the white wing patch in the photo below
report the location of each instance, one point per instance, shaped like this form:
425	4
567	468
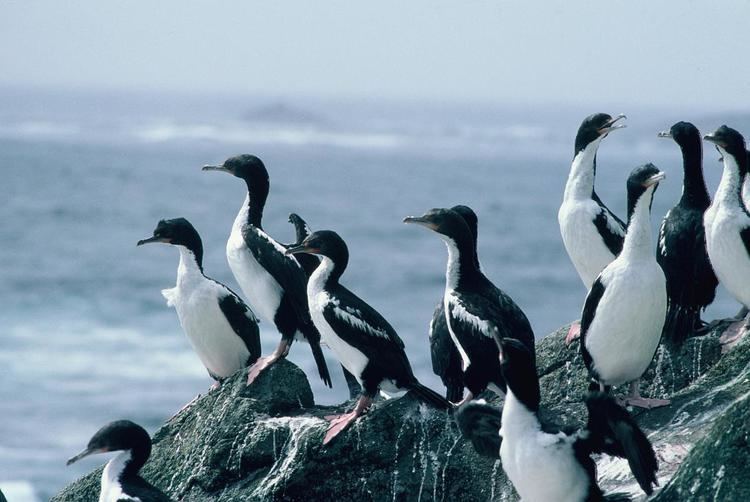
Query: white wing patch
613	224
458	310
663	236
352	317
170	295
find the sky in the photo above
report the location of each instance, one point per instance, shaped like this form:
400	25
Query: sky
666	52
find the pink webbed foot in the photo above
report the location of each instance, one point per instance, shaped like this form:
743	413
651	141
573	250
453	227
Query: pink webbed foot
338	424
645	402
257	368
215	385
573	333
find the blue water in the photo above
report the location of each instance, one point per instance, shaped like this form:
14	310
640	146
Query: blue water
86	335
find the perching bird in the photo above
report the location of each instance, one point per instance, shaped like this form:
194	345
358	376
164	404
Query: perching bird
624	312
309	263
273	283
221	328
362	340
120	479
691	282
727	223
475	309
446	361
591	233
548	465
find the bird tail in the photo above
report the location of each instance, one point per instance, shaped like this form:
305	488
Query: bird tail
680	323
429	396
617	497
351	382
454	391
312	336
622	437
480	423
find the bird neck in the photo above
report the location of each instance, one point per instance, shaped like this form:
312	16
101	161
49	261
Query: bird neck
518	418
580	184
125	465
729	193
637	242
327	274
694	191
191	265
257	193
462	263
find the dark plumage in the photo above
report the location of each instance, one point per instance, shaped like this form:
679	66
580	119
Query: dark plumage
691	282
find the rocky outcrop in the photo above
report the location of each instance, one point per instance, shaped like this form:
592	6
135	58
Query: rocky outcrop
264	442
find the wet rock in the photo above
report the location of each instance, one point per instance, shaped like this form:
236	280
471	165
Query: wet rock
264	442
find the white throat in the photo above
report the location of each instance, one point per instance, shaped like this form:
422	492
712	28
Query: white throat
580	182
111	487
638	235
452	271
726	194
188	271
320	276
518	421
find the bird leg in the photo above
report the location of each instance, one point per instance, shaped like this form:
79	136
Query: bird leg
634	398
264	362
341	422
735	331
215	385
468	397
573	333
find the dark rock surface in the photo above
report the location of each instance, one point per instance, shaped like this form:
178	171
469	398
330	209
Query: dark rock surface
264	442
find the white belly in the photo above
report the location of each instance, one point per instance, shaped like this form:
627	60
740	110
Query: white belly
582	241
628	322
261	290
727	252
219	348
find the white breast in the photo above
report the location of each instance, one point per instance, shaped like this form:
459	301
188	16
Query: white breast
111	488
541	466
582	240
726	250
628	322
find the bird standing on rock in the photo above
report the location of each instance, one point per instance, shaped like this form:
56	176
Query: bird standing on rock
623	315
475	309
120	479
273	282
591	233
362	340
691	282
221	328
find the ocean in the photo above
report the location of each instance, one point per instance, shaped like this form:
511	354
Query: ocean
86	335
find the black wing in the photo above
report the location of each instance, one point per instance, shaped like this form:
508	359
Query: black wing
243	322
480	423
745	235
587	316
612	430
446	360
610	227
145	491
308	262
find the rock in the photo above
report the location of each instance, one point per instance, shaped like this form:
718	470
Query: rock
264	442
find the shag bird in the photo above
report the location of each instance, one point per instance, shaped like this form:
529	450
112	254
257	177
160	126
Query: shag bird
545	464
591	233
727	223
475	309
691	282
221	328
362	340
623	315
273	282
120	479
446	361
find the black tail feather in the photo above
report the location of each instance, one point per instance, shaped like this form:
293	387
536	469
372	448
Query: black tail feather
429	396
311	334
480	423
617	497
354	388
680	323
454	392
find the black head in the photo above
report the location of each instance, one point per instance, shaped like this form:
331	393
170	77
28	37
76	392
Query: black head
594	127
469	216
446	222
519	371
729	141
245	166
178	232
324	243
119	435
683	133
641	179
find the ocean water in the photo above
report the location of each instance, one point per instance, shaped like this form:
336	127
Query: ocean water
86	336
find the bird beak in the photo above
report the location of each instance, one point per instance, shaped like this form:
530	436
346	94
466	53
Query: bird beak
664	134
85	453
215	168
151	239
302	248
711	137
612	124
420	220
653	180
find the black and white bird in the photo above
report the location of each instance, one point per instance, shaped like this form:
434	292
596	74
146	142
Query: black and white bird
362	340
727	223
446	360
221	328
591	233
624	312
691	282
545	464
475	309
273	282
120	479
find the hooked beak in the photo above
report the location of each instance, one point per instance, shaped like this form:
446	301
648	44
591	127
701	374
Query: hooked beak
653	180
215	168
85	453
420	220
150	240
302	248
612	124
664	134
711	137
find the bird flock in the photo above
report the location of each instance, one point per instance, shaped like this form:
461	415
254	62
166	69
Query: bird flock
480	339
